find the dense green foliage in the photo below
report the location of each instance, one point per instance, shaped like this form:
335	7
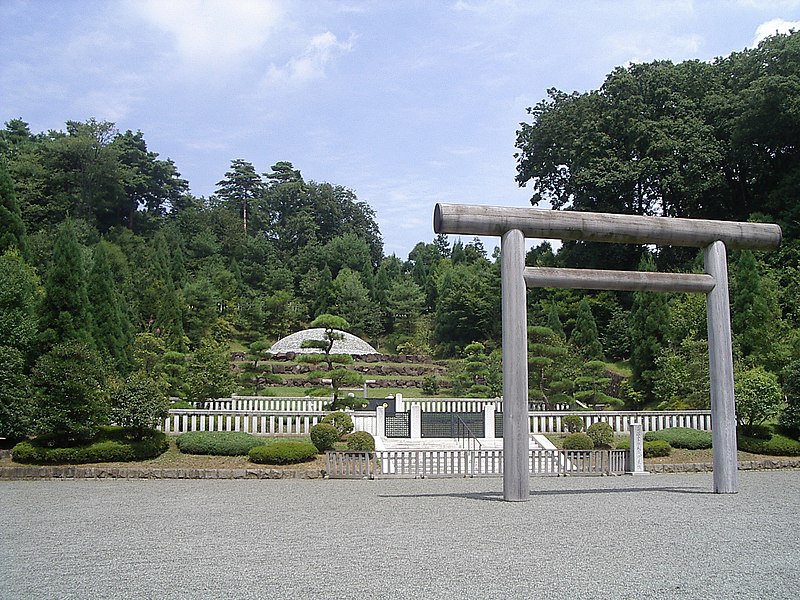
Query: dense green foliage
283	452
578	441
220	443
341	421
681	437
573	423
655	448
602	434
758	397
776	445
324	436
112	444
361	441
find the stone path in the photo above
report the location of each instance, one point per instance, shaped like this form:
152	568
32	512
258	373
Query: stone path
662	536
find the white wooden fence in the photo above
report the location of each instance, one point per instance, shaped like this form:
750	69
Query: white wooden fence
420	464
256	422
268	404
620	421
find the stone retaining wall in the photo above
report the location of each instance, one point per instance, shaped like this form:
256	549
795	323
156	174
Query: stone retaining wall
77	472
744	465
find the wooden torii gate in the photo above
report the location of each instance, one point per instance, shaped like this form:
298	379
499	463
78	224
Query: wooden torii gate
513	225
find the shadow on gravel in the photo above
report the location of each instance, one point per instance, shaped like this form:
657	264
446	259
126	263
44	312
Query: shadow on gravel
498	496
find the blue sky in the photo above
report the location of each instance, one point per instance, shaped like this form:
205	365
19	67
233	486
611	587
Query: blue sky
408	103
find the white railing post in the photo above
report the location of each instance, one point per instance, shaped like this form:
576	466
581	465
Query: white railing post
488	421
399	405
380	423
636	452
416	422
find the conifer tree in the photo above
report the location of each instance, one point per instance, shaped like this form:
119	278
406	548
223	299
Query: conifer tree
168	317
650	324
65	312
554	321
753	321
112	328
12	229
20	293
584	334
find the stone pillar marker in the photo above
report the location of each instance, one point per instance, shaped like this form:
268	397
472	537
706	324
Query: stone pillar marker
723	404
636	456
516	435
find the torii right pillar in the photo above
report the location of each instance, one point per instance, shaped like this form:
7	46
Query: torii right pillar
720	356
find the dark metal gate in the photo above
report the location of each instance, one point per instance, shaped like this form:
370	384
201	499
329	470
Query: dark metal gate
398	425
450	425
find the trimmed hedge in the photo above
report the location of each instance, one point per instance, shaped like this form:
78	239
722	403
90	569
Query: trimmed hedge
656	448
111	445
324	436
342	421
219	443
602	434
361	441
283	452
578	441
681	437
778	445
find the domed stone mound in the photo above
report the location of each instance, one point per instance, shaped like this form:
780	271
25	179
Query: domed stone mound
351	344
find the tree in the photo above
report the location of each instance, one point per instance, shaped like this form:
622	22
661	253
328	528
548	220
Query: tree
352	299
758	397
112	329
584	334
139	403
241	187
209	372
755	316
71	391
16	404
65	312
20	294
12	229
333	327
649	332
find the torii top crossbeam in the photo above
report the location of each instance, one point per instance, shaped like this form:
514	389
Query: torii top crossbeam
469	219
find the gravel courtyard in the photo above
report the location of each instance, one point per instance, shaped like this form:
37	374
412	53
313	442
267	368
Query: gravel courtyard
663	536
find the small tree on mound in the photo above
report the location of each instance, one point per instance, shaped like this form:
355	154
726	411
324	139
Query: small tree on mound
339	377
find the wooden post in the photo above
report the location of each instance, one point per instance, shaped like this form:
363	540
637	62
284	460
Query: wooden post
516	437
723	405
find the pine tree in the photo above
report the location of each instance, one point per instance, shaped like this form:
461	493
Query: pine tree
112	328
584	334
12	229
65	312
649	332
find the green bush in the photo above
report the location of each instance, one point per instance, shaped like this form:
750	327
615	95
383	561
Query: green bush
657	448
573	423
789	421
113	444
220	443
682	437
362	441
623	444
283	452
778	445
324	436
602	435
578	441
760	432
341	421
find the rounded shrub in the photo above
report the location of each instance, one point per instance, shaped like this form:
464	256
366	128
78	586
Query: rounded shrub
361	441
112	444
573	423
341	421
283	452
657	448
602	435
777	445
681	437
324	436
578	441
220	443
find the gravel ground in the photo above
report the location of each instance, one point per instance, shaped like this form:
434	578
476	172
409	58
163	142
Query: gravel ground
662	536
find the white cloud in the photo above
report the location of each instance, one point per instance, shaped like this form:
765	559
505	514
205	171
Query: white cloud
212	31
772	27
312	62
